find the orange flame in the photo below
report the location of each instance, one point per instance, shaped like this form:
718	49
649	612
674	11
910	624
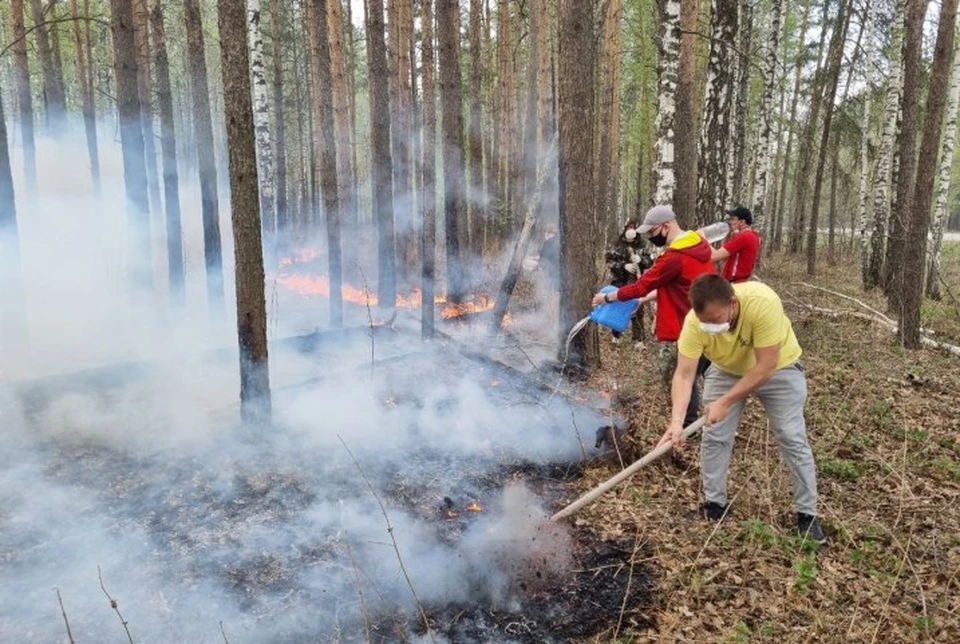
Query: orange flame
474	507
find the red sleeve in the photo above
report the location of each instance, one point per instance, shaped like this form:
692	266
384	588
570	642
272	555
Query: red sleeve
665	270
736	244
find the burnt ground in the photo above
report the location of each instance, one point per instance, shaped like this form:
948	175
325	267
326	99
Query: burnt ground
885	430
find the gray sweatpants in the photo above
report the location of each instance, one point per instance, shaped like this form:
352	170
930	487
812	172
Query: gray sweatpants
783	397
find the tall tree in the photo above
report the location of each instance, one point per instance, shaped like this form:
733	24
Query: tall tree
834	59
739	108
168	147
477	203
53	92
261	120
684	67
428	242
12	314
506	119
145	90
863	200
933	278
608	123
381	160
280	133
401	26
765	141
906	174
667	69
245	214
86	97
203	136
321	75
131	139
21	68
448	41
576	98
715	135
919	222
883	179
341	112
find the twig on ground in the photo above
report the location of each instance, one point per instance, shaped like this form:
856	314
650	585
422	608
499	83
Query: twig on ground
626	592
64	613
363	601
893	587
393	539
880	315
114	605
223	633
366	298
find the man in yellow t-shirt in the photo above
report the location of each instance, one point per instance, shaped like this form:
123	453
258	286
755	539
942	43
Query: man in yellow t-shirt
743	331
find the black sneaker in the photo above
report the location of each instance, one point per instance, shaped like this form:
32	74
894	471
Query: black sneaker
710	511
808	526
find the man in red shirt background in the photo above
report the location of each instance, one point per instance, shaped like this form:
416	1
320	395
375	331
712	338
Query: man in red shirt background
742	250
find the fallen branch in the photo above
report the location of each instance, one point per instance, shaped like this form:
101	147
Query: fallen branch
393	539
224	633
114	605
64	613
852	299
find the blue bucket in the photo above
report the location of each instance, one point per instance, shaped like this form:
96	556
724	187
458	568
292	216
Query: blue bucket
615	315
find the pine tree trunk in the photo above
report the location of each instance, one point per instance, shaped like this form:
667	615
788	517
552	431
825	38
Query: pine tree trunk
506	119
894	283
834	59
381	160
777	236
943	186
280	132
53	94
261	121
12	312
86	97
341	113
451	120
131	140
712	184
429	236
145	90
667	74
919	222
168	145
863	198
608	123
353	194
765	142
736	167
318	30
687	110
832	214
545	93
578	247
52	18
883	179
399	86
245	214
21	68
203	135
477	203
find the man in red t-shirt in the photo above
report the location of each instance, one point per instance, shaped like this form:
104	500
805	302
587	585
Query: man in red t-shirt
742	250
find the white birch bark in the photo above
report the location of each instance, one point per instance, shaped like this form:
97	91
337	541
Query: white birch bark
714	136
261	120
935	242
864	221
885	164
765	142
667	71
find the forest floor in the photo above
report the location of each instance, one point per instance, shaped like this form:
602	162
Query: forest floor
885	429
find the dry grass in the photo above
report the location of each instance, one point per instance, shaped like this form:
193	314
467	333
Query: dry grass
885	428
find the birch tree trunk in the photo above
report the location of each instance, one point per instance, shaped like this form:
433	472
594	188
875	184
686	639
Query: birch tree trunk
834	59
245	214
280	130
203	135
381	160
907	172
131	142
428	242
863	220
318	31
715	135
168	145
919	222
86	97
21	68
261	124
578	251
448	40
667	66
932	281
53	94
765	140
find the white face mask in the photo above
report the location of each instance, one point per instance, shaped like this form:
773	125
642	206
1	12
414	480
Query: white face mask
630	234
714	329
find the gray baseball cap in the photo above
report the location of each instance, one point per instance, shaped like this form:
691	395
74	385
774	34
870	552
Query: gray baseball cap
654	217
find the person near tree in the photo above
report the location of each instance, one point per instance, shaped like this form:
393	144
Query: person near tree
744	332
739	254
686	255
